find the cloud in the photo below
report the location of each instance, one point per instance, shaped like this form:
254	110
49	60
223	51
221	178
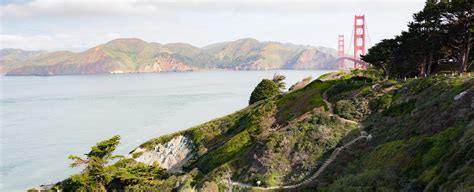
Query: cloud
94	8
54	42
73	8
29	43
81	24
113	35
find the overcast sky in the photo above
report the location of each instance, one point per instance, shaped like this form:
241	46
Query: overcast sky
80	24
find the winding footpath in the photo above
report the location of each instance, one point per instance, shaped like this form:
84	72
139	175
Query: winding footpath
334	154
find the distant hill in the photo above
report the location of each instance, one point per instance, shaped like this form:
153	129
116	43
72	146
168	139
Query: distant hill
132	55
10	58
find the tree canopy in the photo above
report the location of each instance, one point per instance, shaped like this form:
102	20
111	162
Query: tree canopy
124	175
278	79
438	39
94	176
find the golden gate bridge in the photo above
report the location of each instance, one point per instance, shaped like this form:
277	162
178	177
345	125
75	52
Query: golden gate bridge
358	37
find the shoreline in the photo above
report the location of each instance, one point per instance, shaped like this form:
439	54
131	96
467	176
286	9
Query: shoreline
167	72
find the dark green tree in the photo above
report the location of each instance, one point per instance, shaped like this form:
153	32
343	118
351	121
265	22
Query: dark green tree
428	27
382	55
438	39
458	15
137	176
94	177
264	90
278	79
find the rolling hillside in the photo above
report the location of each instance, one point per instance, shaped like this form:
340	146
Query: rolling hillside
136	56
12	58
347	131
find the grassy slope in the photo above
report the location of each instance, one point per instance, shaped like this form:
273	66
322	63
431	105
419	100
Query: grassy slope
422	138
232	142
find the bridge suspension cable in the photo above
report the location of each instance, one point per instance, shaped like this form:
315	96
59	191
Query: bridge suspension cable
368	35
350	42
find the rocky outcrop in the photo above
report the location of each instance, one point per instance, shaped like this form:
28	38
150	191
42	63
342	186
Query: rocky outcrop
171	155
167	65
311	58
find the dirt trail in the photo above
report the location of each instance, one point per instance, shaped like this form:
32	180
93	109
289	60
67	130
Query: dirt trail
325	99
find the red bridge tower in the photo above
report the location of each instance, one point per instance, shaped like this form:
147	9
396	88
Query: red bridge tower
359	39
340	51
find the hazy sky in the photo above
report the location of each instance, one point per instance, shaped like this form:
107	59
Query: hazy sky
80	24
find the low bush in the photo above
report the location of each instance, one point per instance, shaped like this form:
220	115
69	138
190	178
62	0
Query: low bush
417	85
382	103
346	109
344	86
231	149
301	101
264	90
400	109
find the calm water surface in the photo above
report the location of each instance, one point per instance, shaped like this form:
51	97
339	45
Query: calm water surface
45	119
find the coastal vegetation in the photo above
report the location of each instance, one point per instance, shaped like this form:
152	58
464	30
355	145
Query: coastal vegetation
420	140
439	39
264	90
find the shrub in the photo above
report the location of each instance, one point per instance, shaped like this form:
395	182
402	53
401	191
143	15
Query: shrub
361	78
264	90
369	73
232	148
344	86
400	109
139	177
382	103
368	180
418	85
346	109
137	155
332	76
385	101
321	118
301	101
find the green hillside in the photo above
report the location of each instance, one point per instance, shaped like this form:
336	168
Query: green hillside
347	131
10	57
135	55
251	54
